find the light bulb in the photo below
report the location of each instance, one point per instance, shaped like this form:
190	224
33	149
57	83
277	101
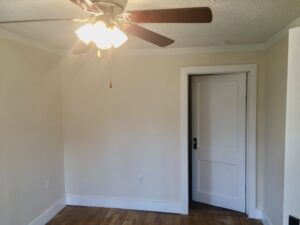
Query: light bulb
85	33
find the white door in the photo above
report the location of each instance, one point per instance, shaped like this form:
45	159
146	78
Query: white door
218	132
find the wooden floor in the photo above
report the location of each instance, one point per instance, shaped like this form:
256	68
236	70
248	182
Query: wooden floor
199	215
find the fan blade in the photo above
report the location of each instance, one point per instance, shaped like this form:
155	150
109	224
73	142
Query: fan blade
87	5
180	15
147	35
38	20
82	48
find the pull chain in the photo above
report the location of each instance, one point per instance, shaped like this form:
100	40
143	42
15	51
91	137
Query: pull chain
109	66
98	53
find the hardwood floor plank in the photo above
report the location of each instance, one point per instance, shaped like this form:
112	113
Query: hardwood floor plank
199	215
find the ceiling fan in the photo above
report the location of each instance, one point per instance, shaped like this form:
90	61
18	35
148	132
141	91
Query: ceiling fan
108	23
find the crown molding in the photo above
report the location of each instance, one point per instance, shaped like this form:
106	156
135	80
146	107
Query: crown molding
194	50
9	35
282	33
162	51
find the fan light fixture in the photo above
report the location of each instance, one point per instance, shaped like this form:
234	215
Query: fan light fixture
103	36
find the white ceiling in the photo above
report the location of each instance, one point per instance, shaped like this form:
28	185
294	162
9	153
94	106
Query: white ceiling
235	21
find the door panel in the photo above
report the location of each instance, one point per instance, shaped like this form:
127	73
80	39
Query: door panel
218	123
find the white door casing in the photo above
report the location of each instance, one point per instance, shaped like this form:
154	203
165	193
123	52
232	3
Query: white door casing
218	125
251	70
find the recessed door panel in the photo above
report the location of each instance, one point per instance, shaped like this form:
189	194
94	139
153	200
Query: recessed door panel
218	124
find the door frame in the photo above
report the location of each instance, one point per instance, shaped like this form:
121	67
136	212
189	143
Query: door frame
251	71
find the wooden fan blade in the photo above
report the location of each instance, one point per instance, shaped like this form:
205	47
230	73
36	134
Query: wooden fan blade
147	35
180	15
38	20
87	5
82	48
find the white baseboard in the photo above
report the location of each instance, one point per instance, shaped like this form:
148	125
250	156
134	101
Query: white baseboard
49	213
255	214
265	219
125	203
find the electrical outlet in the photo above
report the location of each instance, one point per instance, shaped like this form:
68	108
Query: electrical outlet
293	220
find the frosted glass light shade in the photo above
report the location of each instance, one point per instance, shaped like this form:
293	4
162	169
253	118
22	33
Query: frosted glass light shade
85	33
104	37
118	37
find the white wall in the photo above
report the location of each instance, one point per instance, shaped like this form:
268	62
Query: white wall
292	144
113	136
275	106
31	154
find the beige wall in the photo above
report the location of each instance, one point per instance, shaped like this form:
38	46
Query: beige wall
31	154
292	145
113	136
275	107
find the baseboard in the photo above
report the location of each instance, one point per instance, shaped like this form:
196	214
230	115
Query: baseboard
125	203
49	213
255	214
265	219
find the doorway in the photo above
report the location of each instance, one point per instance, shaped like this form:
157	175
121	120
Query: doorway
250	154
217	125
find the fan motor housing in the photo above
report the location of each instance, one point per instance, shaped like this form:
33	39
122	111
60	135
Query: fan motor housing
115	6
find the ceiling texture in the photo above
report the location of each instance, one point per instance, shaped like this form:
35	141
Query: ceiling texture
235	22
